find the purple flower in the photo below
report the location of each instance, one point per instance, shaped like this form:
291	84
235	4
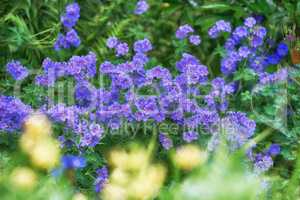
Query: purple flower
239	128
147	106
159	72
84	95
258	64
195	74
190	136
256	41
17	70
73	162
280	75
63	114
262	163
64	42
45	80
165	141
96	130
244	52
195	39
71	16
101	180
250	22
13	112
186	60
122	49
69	20
273	59
61	43
260	31
140	59
240	32
112	42
82	67
282	49
228	65
218	83
230	44
218	27
141	7
183	31
274	149
89	140
142	46
72	38
107	67
223	26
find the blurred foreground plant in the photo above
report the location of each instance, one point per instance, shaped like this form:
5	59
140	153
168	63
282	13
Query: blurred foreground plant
133	176
25	178
37	142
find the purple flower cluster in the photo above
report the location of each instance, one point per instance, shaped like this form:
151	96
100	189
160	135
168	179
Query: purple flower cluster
91	134
239	128
79	67
195	40
12	113
165	141
67	115
174	99
190	136
121	48
270	78
218	27
71	16
89	131
185	31
188	98
141	7
264	161
142	46
217	98
69	20
102	179
17	70
246	46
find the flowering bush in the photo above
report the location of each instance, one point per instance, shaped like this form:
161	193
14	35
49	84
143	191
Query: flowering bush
193	100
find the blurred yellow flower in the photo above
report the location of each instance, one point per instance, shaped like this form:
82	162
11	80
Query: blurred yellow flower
37	126
79	196
189	156
120	177
147	184
114	192
118	158
131	160
137	159
23	178
133	176
27	143
45	154
37	142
